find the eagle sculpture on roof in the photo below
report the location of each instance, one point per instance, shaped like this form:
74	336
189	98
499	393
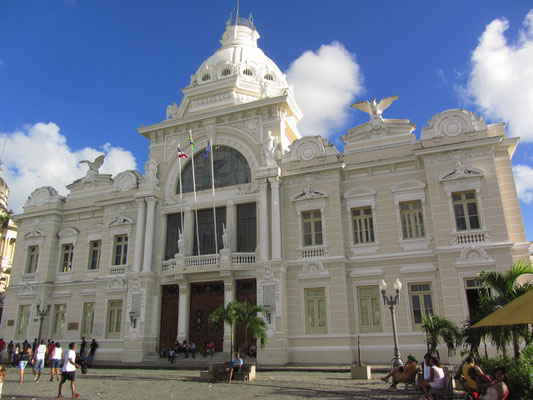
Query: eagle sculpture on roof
373	108
95	165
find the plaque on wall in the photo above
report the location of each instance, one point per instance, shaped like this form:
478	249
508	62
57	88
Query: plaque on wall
72	326
10	322
269	297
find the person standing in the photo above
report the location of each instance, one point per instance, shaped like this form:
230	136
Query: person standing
3	376
10	348
24	357
55	361
68	372
38	361
51	347
83	347
92	349
2	348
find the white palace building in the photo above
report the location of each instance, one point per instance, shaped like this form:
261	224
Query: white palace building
136	261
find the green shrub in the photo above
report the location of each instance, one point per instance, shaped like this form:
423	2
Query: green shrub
519	373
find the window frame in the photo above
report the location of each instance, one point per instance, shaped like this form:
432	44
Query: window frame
85	312
431	292
413	215
57	332
372	328
317	330
124	247
29	258
20	335
312	223
66	259
112	320
464	204
92	251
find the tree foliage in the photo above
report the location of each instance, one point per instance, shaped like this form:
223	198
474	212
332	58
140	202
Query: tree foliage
435	327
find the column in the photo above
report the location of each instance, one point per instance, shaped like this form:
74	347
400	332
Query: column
183	312
139	236
149	237
231	224
229	296
263	220
276	218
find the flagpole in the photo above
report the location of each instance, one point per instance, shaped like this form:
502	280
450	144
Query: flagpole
213	189
194	190
181	189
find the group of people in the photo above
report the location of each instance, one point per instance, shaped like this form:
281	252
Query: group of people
433	377
178	348
40	354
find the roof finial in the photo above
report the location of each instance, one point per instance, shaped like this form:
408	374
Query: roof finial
237	18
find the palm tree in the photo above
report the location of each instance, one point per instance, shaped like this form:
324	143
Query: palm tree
435	326
247	316
505	289
242	313
226	314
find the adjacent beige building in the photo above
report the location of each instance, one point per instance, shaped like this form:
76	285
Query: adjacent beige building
137	261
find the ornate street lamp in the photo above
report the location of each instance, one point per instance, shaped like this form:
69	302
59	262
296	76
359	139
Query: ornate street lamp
41	314
392	302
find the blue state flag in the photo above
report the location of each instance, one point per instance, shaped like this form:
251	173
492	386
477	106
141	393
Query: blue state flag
207	149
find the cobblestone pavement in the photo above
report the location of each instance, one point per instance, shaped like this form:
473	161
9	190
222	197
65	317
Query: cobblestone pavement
117	384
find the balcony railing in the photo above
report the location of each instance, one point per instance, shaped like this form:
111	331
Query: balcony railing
118	269
468	238
202	261
313	251
243	258
169	265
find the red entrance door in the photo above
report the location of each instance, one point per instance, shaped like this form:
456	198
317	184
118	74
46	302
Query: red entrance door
246	291
206	297
169	316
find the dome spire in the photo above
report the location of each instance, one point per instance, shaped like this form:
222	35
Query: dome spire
248	22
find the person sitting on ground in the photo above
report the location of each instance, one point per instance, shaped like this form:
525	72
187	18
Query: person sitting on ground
437	378
235	365
210	348
405	373
498	389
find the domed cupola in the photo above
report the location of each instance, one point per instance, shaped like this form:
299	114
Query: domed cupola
238	72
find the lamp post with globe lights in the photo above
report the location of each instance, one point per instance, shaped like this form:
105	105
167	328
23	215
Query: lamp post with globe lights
41	314
392	302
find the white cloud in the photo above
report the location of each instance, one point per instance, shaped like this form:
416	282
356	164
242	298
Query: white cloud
524	182
501	79
325	84
39	156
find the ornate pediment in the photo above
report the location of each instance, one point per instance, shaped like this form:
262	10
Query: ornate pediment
309	193
474	256
309	148
313	269
125	181
453	123
461	172
44	195
121	220
33	233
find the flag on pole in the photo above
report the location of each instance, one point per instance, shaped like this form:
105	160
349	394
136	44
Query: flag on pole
181	153
207	150
191	141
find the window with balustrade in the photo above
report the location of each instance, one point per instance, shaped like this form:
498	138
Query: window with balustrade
466	210
246	228
174	227
312	228
120	250
32	259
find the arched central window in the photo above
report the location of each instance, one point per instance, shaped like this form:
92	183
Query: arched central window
230	166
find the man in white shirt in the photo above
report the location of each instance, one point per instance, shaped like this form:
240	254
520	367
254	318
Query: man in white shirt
68	372
38	361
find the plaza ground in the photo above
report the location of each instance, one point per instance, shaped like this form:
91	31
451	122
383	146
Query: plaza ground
116	384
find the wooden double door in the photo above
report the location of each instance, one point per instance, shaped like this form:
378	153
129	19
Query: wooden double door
205	298
169	316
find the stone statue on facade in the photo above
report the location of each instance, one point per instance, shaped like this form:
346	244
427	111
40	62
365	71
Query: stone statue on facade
94	166
373	108
172	111
225	237
150	176
270	152
181	245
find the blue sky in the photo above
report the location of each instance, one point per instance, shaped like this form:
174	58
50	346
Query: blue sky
78	77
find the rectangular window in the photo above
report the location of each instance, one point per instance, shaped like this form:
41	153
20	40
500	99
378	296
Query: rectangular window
32	260
173	229
95	248
315	311
67	254
246	228
22	322
312	228
59	321
87	319
412	218
207	230
114	318
421	301
473	294
363	225
120	251
369	309
466	210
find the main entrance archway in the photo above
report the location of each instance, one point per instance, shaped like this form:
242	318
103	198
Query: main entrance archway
206	297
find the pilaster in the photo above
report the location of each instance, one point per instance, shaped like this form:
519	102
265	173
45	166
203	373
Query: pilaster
149	234
139	235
